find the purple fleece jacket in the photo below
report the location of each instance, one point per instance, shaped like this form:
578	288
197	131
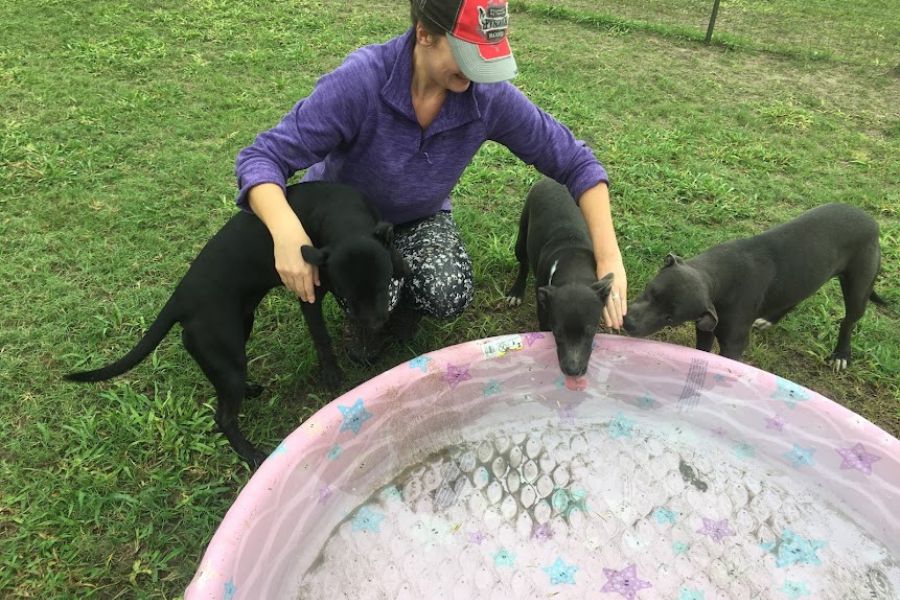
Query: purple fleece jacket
358	127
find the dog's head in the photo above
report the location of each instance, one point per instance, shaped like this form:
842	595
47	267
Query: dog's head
573	312
360	270
676	294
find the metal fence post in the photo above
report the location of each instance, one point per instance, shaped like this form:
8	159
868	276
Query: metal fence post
712	21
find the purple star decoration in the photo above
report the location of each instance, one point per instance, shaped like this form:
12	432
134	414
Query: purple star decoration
717	530
857	458
624	582
531	338
455	375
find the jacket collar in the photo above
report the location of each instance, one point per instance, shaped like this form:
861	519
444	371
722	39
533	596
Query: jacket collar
458	109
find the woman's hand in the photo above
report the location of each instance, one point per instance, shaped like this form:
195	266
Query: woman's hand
617	301
297	275
268	203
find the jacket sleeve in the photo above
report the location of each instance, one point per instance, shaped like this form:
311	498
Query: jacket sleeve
539	139
328	118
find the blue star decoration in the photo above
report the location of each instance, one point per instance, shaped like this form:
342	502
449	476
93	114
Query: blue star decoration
691	594
420	362
800	456
367	519
280	449
560	572
504	558
679	548
354	416
492	388
795	589
335	452
791	549
790	392
664	516
621	426
230	589
744	450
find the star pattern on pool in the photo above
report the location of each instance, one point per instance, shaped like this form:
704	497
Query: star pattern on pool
504	558
800	456
531	338
789	392
624	582
560	572
857	458
492	388
795	589
621	426
691	594
456	374
664	516
354	416
367	519
420	363
791	549
716	530
775	423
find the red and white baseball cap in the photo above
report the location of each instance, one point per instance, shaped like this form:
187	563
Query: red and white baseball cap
476	30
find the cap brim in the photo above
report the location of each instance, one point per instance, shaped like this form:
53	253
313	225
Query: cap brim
479	69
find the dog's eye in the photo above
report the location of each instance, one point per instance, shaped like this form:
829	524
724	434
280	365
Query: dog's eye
669	320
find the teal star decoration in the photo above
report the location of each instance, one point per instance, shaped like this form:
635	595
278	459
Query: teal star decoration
791	549
420	362
679	548
280	449
664	516
795	589
646	402
230	589
621	426
560	572
367	519
492	388
744	450
691	594
504	558
335	452
800	456
789	392
354	416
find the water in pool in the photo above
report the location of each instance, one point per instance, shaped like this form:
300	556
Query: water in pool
566	509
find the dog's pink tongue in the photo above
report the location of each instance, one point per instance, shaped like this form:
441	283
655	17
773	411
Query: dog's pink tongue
576	384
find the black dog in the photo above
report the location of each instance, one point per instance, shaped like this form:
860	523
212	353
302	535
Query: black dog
554	240
757	280
216	300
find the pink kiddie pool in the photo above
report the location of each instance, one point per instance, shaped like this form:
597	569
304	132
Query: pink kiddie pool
478	471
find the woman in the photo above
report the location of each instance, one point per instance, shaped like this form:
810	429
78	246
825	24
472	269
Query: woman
400	121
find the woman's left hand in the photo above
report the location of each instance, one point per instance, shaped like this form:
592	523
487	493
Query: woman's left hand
617	301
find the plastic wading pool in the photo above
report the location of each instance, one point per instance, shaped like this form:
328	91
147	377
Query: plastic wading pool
478	471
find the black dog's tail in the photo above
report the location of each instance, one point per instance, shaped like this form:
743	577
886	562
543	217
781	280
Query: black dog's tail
145	346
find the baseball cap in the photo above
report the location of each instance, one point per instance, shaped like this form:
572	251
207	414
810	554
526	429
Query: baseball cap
476	31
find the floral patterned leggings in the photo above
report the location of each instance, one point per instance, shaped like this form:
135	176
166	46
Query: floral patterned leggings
440	283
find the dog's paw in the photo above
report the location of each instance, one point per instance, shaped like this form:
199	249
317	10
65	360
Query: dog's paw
253	390
513	300
761	324
838	363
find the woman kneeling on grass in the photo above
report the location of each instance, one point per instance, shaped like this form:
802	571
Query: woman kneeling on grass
400	121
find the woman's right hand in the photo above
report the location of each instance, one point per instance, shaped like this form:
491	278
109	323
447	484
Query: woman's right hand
268	203
297	275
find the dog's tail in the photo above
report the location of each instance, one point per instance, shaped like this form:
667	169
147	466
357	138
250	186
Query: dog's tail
145	346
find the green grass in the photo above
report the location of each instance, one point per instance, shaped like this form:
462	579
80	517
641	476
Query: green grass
119	125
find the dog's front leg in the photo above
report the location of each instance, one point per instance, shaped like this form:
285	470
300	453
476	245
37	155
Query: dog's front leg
705	340
332	375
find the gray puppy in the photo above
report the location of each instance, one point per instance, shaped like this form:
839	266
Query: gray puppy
756	281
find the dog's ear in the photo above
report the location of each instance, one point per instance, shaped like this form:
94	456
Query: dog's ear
384	232
603	287
708	320
544	294
315	256
673	259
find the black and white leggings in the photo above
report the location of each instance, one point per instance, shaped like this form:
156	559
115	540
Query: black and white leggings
440	283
